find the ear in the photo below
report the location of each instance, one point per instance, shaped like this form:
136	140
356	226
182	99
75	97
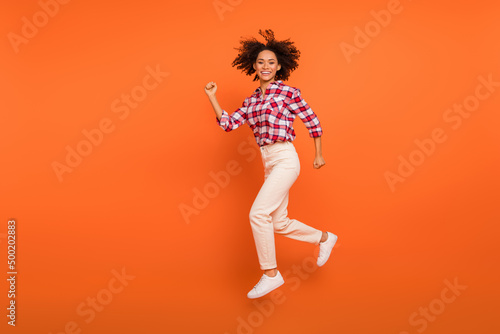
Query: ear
254	67
278	68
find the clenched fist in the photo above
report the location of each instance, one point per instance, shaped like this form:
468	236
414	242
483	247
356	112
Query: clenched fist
210	89
318	162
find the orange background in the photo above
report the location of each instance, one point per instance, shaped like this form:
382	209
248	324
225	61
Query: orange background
121	206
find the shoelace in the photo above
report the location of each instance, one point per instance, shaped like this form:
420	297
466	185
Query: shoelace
261	279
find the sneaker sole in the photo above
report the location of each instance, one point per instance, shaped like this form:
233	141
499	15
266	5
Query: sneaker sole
262	295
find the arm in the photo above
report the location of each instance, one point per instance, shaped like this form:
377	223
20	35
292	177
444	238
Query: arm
300	107
318	159
210	90
225	121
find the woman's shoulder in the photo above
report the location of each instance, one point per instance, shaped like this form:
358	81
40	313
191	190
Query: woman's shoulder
284	85
287	89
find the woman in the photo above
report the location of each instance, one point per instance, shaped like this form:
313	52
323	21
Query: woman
270	112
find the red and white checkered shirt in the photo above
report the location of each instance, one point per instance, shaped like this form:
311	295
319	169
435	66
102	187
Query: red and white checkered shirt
271	119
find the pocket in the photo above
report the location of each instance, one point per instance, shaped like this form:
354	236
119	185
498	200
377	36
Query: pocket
289	160
275	106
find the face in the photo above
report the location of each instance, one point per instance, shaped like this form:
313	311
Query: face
266	65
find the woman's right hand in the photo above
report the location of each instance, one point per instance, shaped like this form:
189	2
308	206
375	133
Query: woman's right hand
210	89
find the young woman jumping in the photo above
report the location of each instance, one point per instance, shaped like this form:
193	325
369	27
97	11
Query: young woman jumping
270	112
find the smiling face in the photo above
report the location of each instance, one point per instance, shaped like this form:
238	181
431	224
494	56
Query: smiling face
266	65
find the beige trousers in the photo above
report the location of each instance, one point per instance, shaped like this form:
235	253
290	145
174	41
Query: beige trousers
269	213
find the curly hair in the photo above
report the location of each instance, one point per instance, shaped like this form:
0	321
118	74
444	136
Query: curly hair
286	52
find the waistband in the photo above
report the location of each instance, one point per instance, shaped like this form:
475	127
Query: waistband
274	146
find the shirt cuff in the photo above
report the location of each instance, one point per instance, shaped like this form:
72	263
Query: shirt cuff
317	132
224	120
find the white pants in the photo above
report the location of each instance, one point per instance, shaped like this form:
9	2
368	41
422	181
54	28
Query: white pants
269	213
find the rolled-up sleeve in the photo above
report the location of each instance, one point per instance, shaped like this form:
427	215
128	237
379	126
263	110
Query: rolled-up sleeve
298	106
230	122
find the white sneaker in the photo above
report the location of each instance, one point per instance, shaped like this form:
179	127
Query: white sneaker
266	285
325	248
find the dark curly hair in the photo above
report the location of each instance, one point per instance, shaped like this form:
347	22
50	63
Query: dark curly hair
286	52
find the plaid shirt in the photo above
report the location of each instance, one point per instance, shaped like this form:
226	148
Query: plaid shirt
271	119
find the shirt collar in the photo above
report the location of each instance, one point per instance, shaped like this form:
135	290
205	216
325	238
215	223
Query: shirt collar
274	83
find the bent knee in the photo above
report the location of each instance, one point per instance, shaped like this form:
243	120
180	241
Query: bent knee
280	224
257	215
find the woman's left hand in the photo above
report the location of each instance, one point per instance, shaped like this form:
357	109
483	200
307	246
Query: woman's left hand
318	162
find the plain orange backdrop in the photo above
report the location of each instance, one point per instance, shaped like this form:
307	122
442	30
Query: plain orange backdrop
121	206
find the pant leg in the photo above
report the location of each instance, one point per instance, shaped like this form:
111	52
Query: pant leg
293	228
282	167
271	195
